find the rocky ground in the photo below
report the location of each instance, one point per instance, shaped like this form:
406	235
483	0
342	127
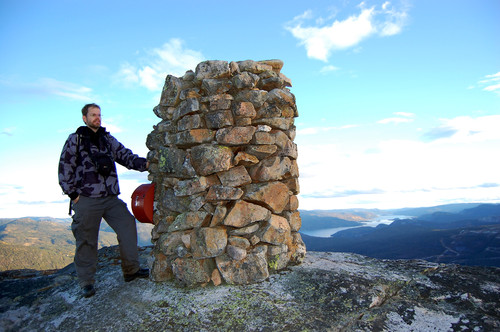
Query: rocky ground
328	292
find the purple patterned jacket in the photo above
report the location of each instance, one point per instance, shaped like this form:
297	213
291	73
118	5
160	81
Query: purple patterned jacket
77	172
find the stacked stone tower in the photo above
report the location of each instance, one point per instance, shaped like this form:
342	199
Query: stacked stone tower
224	166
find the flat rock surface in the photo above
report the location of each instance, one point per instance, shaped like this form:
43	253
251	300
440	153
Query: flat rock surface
328	292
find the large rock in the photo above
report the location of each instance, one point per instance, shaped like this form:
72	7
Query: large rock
193	137
273	195
235	177
256	97
189	122
212	69
271	169
191	186
208	242
244	213
219	102
209	159
261	151
223	193
189	220
188	106
245	80
275	231
214	86
171	91
297	249
169	243
192	272
219	119
255	67
244	109
161	269
173	161
235	135
181	204
294	220
253	268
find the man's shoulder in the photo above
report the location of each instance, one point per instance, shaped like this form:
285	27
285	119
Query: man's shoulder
82	131
72	136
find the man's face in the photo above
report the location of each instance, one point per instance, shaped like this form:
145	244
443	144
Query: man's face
93	118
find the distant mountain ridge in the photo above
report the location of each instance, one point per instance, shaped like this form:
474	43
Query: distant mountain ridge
436	234
470	236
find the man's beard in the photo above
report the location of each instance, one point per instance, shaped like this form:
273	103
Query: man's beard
96	125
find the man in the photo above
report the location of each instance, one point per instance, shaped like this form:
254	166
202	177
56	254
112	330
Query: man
87	174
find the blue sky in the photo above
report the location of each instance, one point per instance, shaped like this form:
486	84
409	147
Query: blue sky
399	101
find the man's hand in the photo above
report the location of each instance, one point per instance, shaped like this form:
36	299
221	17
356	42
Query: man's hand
76	199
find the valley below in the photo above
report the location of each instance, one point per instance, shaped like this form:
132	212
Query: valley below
466	234
459	234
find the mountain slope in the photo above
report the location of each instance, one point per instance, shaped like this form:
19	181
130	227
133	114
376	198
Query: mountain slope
470	237
45	243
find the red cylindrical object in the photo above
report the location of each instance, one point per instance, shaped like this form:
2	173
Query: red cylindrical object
143	199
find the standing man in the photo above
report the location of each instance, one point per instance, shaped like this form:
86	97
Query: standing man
87	174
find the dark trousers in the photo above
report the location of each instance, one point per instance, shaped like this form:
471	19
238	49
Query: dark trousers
85	227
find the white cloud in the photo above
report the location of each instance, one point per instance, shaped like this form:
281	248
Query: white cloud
111	127
394	20
395	120
171	58
327	69
492	87
128	74
403	117
66	89
8	131
491	83
462	166
321	40
317	130
466	129
51	87
406	114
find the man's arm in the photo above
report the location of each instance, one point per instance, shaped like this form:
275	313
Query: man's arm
126	157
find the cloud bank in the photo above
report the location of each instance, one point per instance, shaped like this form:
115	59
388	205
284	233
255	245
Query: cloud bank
323	39
171	58
466	129
491	83
452	163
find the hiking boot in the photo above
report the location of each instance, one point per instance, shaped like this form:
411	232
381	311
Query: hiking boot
142	273
88	290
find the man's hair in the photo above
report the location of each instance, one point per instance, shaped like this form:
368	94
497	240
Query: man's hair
85	108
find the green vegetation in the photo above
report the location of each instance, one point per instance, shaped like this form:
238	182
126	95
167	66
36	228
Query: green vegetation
40	244
14	257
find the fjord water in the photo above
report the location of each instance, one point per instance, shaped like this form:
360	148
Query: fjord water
327	232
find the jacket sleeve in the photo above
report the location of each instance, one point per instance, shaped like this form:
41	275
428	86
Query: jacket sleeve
126	157
67	168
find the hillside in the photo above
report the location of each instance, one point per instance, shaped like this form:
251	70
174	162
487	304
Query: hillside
46	243
469	237
344	214
328	292
312	220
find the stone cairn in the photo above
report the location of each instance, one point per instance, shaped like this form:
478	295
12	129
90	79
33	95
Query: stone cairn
223	163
